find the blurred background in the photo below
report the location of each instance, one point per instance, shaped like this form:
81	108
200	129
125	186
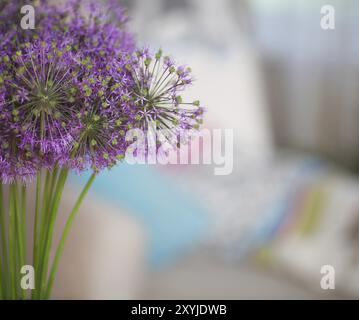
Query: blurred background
290	92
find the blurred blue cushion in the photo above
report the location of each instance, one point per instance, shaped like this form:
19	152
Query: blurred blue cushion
173	219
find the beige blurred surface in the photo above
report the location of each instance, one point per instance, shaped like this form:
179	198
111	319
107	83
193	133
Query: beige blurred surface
202	276
103	257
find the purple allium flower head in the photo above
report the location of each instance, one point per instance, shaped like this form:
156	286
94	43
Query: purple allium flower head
71	88
156	99
40	95
55	82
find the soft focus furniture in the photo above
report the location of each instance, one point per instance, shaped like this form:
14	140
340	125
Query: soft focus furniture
203	276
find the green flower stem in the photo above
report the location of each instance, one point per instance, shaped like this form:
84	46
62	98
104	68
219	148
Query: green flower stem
44	213
50	228
36	237
19	240
41	232
53	182
4	257
23	217
23	228
12	248
65	234
2	289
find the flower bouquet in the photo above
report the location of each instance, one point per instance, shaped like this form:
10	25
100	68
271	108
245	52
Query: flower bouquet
71	90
